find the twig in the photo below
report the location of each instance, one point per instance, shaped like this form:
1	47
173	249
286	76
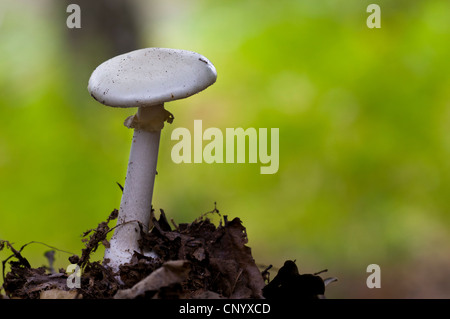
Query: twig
174	223
266	274
235	282
322	271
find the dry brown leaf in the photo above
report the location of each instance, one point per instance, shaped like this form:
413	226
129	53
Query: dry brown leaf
169	273
59	294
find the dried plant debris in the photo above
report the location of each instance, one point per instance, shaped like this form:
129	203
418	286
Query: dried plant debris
169	274
290	284
194	260
97	237
220	262
23	281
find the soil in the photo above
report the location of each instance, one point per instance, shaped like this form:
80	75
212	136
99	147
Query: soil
198	260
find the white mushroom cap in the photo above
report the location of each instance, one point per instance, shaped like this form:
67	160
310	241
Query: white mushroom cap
150	76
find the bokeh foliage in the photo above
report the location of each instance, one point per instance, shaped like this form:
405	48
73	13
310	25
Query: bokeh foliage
364	117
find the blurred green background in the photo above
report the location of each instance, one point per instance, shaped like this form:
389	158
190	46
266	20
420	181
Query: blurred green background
364	119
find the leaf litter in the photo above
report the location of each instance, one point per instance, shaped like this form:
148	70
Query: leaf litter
196	260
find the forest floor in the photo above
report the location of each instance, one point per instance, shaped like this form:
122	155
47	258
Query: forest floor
196	260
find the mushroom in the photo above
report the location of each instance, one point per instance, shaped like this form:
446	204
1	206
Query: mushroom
146	79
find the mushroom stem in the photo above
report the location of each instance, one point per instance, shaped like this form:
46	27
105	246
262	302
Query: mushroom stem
137	195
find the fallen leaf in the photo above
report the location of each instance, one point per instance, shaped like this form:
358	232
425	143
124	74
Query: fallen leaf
59	294
169	273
